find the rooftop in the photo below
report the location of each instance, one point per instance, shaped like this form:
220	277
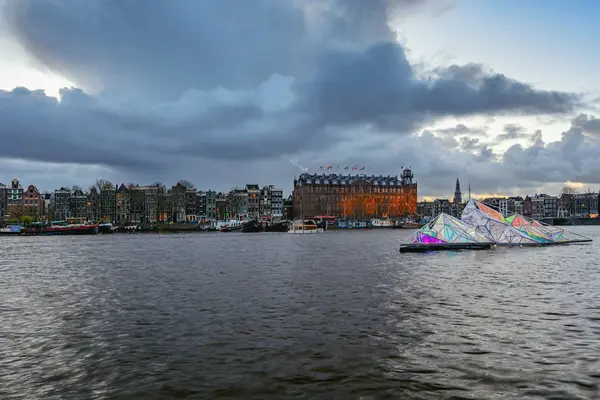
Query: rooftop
339	179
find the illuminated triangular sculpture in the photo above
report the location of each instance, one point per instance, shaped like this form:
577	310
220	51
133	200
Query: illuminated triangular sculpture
493	225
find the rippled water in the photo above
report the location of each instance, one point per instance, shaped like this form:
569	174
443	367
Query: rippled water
341	315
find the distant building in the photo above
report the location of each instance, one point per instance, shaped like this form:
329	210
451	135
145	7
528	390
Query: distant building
355	196
550	206
3	204
527	207
61	204
122	203
537	206
515	205
179	202
78	205
137	204
93	203
47	201
32	202
191	206
288	208
207	205
425	209
237	204
457	193
14	195
442	206
222	207
271	202
210	205
108	204
253	193
585	204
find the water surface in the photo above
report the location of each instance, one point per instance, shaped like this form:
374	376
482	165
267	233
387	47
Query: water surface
341	315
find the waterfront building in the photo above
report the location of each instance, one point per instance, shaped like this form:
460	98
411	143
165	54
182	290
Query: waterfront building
61	204
32	202
14	195
515	205
442	206
288	208
46	201
585	204
93	203
253	193
108	206
222	207
201	205
237	204
210	205
78	205
271	202
191	206
527	207
206	203
3	204
164	204
179	202
425	209
357	197
537	206
122	205
550	206
137	204
265	203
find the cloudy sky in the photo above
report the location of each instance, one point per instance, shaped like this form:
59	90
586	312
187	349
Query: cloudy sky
223	93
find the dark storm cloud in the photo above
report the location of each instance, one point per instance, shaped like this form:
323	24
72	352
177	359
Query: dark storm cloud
162	47
187	81
588	123
512	132
462	130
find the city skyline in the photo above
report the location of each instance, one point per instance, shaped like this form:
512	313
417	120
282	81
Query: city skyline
443	85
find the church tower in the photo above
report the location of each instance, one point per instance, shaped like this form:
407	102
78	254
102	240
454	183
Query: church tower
457	194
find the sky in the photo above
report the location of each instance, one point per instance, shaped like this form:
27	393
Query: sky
503	95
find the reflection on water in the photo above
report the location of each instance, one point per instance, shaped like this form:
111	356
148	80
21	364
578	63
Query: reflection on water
339	315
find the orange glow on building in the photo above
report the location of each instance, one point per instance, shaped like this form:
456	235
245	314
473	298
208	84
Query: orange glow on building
355	197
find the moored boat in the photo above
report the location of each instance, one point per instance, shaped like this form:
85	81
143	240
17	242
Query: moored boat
252	226
282	226
11	230
381	223
106	228
75	229
305	227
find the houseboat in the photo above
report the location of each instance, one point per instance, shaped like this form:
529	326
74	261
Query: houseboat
305	227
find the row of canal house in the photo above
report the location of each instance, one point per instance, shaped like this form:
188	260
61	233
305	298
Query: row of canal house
16	202
157	203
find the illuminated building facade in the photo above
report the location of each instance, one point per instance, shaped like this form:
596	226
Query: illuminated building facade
357	197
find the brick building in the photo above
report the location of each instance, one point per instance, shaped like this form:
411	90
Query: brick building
355	196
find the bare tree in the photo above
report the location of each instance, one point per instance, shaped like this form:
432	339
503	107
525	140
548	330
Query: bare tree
100	184
186	184
76	187
17	212
568	190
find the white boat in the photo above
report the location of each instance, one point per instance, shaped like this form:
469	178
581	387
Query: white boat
381	223
305	227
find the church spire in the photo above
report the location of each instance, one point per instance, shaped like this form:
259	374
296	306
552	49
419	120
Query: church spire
457	193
